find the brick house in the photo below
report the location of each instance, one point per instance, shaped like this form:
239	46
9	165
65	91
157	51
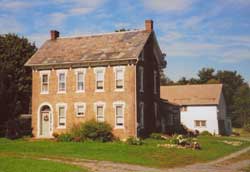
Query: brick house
111	77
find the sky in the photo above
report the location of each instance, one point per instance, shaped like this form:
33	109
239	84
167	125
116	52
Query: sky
193	33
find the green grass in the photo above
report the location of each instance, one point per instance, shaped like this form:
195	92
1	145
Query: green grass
148	154
14	164
242	132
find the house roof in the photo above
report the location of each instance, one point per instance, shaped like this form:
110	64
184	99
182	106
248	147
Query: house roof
93	48
205	94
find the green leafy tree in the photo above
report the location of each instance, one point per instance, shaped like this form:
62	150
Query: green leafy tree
206	74
15	79
241	106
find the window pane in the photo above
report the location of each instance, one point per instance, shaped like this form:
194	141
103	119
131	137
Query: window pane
80	110
62	86
99	76
203	123
62	119
61	77
80	77
119	74
119	83
45	78
119	110
99	84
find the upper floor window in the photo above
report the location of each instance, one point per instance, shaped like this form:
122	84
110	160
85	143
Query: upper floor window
119	114
44	81
80	109
155	82
141	73
119	78
142	55
99	78
61	108
80	77
200	123
141	111
99	108
61	81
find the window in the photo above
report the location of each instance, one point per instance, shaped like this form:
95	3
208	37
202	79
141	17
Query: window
99	79
119	114
200	123
61	115
142	55
61	81
141	108
141	78
80	77
155	82
99	108
80	109
119	78
156	113
44	82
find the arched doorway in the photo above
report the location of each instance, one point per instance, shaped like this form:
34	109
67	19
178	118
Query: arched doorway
45	119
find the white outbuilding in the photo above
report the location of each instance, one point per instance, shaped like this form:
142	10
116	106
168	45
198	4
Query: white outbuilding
203	107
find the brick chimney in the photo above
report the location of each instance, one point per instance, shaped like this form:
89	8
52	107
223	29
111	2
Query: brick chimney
54	34
149	25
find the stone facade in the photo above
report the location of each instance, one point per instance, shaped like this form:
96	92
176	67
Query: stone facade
89	97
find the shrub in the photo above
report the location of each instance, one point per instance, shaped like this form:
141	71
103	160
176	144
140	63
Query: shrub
65	137
246	127
97	131
134	141
157	136
55	134
205	133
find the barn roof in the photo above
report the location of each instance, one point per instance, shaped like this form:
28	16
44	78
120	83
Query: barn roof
205	94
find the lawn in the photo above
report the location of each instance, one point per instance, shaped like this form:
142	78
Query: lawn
147	155
12	164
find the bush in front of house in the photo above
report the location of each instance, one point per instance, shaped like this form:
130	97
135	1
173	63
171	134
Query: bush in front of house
205	133
186	142
65	137
246	127
92	130
134	141
157	136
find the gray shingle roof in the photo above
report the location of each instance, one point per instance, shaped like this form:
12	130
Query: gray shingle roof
103	47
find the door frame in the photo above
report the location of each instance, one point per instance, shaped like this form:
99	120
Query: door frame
39	122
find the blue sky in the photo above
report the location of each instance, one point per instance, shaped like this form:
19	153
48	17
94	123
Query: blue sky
193	33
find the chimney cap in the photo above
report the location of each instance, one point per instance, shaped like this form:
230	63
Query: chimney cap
54	34
149	25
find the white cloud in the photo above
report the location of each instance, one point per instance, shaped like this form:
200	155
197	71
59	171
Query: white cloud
168	5
15	5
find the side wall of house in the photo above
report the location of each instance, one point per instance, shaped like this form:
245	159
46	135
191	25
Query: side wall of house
148	97
225	126
89	97
204	113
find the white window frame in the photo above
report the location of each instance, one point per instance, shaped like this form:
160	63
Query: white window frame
58	72
123	104
97	69
141	111
141	78
77	71
58	105
155	82
76	108
44	72
116	69
96	104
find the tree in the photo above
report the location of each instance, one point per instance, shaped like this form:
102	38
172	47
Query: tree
241	106
206	74
15	79
183	81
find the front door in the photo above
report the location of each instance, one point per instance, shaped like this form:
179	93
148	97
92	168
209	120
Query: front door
45	124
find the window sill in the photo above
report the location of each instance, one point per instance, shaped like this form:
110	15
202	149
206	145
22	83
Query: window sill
99	91
119	89
61	127
44	92
118	127
61	92
80	116
82	91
